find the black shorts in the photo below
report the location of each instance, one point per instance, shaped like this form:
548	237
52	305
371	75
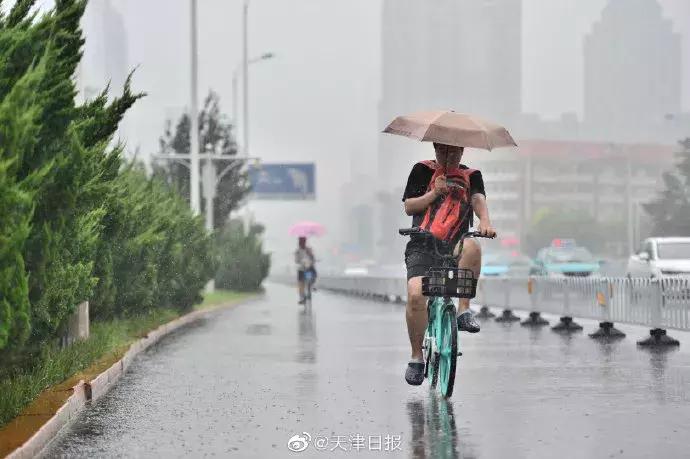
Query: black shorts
419	257
300	274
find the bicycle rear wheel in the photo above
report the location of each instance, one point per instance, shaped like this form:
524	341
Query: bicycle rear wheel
448	350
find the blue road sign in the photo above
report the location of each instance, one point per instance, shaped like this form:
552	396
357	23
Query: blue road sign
283	181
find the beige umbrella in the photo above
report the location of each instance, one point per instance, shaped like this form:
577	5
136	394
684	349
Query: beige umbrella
451	128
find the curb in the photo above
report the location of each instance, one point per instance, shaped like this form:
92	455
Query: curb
89	391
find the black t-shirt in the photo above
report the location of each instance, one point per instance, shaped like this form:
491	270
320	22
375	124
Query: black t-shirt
418	184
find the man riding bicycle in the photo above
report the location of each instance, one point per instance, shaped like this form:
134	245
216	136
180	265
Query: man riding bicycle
422	200
304	258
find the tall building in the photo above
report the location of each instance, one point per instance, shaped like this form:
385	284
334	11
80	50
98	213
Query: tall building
679	10
632	72
589	177
464	55
105	53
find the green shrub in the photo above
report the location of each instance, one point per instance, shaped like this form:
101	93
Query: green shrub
75	223
242	264
155	252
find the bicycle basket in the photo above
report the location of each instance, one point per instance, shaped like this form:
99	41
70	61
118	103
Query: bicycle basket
450	282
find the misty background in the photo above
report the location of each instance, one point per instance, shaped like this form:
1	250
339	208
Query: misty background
320	98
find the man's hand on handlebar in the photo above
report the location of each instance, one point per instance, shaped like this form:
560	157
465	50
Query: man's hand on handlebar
486	230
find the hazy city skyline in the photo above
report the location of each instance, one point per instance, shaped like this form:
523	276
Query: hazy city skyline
318	99
553	39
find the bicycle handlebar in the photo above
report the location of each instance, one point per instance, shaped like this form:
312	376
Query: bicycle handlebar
418	230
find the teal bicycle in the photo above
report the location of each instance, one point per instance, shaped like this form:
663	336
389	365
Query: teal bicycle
440	285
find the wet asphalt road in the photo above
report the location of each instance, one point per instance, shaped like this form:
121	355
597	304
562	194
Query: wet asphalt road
244	382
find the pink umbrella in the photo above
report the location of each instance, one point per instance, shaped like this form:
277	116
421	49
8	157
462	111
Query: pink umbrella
307	229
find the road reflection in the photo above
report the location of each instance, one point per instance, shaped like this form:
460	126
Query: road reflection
306	334
665	386
306	352
434	433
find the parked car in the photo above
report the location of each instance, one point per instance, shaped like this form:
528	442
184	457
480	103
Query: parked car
661	257
506	264
566	260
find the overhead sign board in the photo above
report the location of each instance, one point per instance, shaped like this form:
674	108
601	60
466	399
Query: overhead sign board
295	181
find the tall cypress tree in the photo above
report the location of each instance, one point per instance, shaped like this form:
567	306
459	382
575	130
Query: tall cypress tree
670	211
57	165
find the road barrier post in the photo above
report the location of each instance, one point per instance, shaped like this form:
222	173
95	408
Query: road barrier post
484	312
566	323
535	319
507	315
604	295
657	335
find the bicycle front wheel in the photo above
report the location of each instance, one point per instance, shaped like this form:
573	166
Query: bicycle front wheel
448	351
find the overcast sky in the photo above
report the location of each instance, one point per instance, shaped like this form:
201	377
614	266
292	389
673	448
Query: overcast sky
327	64
318	99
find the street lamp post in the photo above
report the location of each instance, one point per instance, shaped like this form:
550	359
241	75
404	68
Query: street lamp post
194	117
209	185
235	78
245	76
629	203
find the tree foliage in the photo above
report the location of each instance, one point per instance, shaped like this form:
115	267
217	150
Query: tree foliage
158	254
216	137
242	264
75	224
670	211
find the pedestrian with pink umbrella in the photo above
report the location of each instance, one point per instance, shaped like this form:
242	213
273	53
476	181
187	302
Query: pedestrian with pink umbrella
304	255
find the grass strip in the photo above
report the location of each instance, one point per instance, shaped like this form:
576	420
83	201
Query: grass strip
55	365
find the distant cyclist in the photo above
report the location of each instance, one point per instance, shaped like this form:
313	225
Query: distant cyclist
428	202
304	258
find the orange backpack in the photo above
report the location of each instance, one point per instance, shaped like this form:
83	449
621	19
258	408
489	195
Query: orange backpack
445	216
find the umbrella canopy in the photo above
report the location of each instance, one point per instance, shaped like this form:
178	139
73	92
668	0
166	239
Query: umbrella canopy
307	229
451	128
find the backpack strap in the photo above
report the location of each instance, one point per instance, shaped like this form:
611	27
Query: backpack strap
431	164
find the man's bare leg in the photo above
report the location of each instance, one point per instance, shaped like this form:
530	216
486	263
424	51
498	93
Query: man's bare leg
471	259
416	316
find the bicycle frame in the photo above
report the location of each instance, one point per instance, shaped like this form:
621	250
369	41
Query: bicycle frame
440	346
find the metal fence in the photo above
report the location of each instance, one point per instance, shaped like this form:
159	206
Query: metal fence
655	303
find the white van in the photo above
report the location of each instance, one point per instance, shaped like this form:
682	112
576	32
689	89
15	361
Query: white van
661	257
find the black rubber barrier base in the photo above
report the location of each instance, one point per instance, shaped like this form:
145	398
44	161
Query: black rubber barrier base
507	316
607	331
566	325
534	320
658	337
484	313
